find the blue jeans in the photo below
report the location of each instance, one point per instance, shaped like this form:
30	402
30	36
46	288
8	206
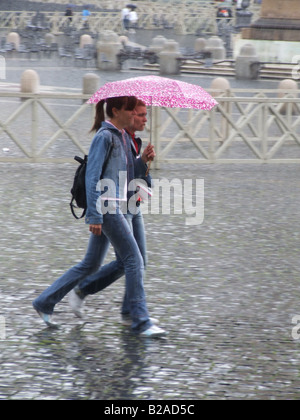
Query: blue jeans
115	230
111	272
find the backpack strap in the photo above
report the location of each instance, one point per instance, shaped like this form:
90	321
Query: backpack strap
72	206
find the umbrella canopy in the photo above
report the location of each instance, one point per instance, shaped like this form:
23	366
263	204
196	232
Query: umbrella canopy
158	91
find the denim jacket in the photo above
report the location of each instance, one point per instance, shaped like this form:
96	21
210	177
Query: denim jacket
140	168
108	145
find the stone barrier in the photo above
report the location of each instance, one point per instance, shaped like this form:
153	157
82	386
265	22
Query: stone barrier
108	49
14	38
49	39
168	58
219	87
90	84
290	87
200	45
247	63
216	47
85	39
157	44
30	82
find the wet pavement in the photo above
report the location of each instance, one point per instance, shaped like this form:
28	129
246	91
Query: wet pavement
226	291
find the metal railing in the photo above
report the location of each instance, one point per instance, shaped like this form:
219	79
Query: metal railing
246	127
255	129
188	17
46	127
55	22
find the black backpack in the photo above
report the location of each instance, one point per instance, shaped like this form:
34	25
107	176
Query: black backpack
78	189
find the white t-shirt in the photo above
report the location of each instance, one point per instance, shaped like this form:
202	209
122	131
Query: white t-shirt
133	17
125	13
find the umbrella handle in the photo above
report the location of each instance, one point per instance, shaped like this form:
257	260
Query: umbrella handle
148	169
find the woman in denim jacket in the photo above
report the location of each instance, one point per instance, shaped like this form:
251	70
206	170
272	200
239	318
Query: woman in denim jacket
114	270
106	220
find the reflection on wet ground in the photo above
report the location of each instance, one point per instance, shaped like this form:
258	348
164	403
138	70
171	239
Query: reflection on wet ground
226	291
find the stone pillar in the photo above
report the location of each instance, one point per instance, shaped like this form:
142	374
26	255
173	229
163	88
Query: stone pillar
49	39
220	86
108	49
85	40
124	40
273	9
216	47
14	38
279	21
243	18
168	58
90	84
200	45
247	63
157	44
290	87
30	82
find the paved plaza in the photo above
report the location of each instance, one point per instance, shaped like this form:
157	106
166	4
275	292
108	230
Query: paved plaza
226	291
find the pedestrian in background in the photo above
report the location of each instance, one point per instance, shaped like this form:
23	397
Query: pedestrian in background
125	17
69	13
133	18
85	17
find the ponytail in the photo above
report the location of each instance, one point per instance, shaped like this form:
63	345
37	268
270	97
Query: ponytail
99	116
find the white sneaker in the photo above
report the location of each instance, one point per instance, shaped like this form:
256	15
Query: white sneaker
47	319
153	331
127	321
75	302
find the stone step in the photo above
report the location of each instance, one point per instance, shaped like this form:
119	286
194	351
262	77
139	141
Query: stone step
268	71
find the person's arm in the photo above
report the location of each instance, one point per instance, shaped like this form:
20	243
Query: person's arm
98	154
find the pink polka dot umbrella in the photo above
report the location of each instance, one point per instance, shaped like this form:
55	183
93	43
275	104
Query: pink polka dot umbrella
158	91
